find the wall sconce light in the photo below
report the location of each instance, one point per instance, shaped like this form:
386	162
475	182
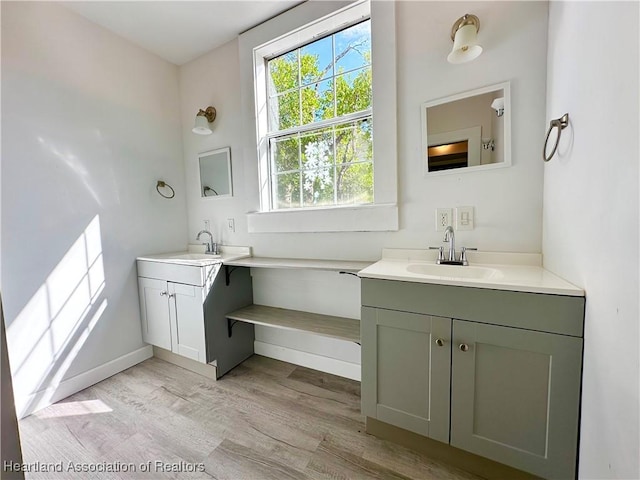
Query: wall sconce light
464	35
488	144
498	106
203	119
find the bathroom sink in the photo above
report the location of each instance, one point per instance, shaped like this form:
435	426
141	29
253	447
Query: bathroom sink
199	259
185	258
453	271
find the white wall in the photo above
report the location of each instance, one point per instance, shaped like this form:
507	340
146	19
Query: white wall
591	216
89	124
508	201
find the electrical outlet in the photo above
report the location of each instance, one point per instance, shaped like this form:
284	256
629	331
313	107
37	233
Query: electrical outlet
207	224
464	218
231	224
443	219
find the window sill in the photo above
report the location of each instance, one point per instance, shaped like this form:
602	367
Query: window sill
361	218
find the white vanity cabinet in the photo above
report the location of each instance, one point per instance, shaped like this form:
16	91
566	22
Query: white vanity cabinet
172	317
172	301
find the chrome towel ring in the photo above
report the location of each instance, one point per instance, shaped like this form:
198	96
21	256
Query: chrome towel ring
559	123
162	184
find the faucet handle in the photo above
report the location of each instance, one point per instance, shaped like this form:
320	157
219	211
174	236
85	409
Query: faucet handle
440	254
463	254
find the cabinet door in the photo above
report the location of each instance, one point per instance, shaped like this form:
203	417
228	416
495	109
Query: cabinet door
406	360
515	397
154	310
187	321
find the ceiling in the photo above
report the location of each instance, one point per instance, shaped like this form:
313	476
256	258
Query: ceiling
180	31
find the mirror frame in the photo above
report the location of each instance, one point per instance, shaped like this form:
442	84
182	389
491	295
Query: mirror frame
506	87
226	150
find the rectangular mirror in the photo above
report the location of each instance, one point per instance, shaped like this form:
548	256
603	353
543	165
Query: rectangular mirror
467	132
215	173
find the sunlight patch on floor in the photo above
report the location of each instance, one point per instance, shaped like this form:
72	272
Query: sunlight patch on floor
68	409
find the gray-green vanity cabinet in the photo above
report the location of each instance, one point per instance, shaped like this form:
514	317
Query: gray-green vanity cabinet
500	386
406	360
515	396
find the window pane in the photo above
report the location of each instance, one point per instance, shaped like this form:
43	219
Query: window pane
317	149
285	154
353	91
286	190
284	111
283	73
353	47
317	102
317	187
354	183
316	61
354	142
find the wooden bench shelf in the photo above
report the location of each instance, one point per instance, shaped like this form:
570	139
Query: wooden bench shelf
323	325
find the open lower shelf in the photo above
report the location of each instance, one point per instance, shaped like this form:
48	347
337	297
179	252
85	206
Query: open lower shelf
323	325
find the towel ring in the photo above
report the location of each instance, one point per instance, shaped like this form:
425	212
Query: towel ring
162	184
208	189
559	123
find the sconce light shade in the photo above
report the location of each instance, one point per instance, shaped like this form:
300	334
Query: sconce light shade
464	35
203	119
498	106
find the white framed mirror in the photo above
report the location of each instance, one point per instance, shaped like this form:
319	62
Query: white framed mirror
467	132
215	173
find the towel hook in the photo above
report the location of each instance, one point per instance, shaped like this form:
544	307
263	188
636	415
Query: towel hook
559	123
162	184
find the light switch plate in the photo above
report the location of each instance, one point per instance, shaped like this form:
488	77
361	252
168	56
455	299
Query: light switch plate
464	218
231	224
443	219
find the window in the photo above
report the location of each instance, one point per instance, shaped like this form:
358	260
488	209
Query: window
312	81
320	136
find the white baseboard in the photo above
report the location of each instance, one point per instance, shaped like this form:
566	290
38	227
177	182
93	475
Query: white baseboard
309	360
47	396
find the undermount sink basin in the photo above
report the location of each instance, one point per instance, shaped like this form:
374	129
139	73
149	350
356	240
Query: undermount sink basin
453	271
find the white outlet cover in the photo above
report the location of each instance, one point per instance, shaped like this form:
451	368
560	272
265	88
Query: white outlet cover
465	218
444	218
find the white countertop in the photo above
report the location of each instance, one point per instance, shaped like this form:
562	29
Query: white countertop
241	257
516	272
299	263
228	253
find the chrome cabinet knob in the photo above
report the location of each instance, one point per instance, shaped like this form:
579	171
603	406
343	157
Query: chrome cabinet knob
172	295
464	347
163	293
439	342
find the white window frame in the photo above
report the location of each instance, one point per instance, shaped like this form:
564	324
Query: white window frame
323	28
283	33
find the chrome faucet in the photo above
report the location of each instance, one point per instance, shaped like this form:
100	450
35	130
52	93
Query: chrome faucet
450	237
212	248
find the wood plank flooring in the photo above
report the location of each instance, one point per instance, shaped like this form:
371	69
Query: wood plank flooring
264	420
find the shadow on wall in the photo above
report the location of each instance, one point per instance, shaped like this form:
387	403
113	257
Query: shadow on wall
47	334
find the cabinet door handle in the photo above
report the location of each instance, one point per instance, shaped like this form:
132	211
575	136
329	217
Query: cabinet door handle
439	342
163	293
172	295
464	347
